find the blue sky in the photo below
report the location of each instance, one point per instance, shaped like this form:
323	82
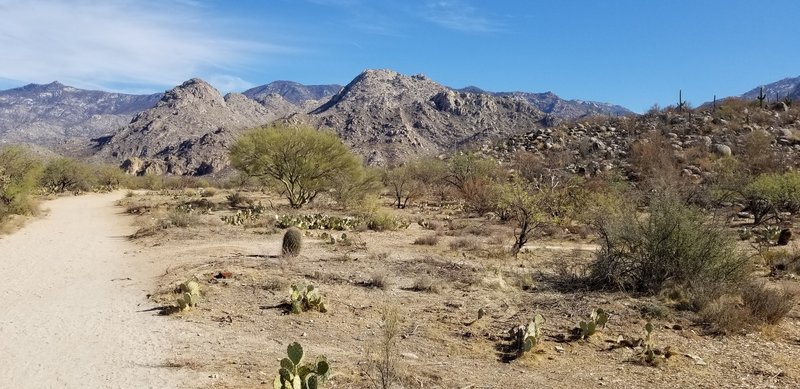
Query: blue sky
630	52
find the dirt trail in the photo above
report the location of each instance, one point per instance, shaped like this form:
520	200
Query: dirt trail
73	301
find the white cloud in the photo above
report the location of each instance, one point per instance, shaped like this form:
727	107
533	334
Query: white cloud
226	83
458	15
105	44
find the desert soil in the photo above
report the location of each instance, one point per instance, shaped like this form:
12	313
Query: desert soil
74	304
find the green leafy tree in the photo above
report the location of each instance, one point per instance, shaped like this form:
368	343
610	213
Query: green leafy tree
300	161
64	174
19	174
405	183
772	192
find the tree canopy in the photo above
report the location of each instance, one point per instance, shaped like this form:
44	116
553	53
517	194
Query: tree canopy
299	161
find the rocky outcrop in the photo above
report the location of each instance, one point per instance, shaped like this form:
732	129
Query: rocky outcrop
187	132
557	108
389	117
52	114
293	92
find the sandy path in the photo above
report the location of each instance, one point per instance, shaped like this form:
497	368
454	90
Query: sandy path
71	301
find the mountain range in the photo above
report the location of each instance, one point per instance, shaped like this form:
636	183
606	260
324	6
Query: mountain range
384	116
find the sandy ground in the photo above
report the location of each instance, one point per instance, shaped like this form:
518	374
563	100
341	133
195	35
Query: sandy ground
73	305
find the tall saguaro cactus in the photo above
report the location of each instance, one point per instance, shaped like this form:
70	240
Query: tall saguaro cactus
761	97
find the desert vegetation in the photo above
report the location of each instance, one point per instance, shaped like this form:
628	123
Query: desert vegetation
670	260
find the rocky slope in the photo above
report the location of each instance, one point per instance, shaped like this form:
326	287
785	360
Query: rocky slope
558	108
293	92
187	132
694	137
54	113
388	117
788	87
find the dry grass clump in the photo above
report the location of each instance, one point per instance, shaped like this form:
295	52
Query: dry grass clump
767	304
427	240
466	244
380	280
426	283
756	305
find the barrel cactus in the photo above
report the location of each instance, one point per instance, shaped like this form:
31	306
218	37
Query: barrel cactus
292	242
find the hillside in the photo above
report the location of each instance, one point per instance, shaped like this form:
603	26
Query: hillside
187	132
54	113
389	117
555	106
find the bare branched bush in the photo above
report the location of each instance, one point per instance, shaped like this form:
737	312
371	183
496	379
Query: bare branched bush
383	357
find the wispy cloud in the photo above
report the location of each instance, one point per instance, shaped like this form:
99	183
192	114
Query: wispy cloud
459	15
117	43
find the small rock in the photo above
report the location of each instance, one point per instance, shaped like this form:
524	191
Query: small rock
697	360
409	355
721	150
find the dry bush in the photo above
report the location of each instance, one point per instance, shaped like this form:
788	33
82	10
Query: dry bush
466	244
725	315
432	224
756	154
426	283
427	240
380	280
182	219
383	369
767	304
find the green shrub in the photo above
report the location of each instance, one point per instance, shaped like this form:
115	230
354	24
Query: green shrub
773	192
19	175
66	175
385	221
672	245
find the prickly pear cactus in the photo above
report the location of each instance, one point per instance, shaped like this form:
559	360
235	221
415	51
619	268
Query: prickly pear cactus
293	374
292	242
306	298
190	295
529	336
597	320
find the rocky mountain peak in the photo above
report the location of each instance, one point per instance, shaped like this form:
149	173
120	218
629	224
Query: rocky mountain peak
292	92
383	87
193	91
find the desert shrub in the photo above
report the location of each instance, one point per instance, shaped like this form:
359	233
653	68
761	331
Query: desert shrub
380	280
383	356
181	218
385	221
476	179
426	283
427	240
466	244
772	192
673	244
766	304
108	178
756	154
404	184
292	242
354	187
725	315
66	175
300	162
239	200
19	175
